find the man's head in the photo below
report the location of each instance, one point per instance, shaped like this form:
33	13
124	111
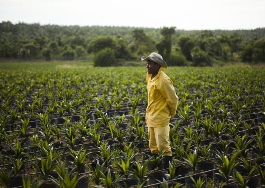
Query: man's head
157	58
152	67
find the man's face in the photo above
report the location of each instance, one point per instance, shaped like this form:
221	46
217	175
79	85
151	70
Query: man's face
152	67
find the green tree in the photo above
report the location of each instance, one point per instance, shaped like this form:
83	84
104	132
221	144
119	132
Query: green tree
247	54
100	44
54	49
208	43
142	44
46	53
77	41
80	51
105	58
225	53
177	59
8	50
259	50
201	58
122	51
68	54
186	44
233	41
165	45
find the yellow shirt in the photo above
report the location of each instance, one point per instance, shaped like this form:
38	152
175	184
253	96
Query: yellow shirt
162	100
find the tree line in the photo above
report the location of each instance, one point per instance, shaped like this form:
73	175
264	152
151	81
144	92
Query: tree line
109	45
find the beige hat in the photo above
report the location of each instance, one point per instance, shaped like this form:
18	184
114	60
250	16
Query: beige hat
157	58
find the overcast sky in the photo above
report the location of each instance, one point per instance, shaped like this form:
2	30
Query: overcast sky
182	14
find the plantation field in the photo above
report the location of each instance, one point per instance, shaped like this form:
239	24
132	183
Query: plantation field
71	124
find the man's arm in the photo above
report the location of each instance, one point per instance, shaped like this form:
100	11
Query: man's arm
168	92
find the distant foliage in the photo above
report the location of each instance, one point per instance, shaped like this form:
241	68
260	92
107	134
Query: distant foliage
46	53
186	44
100	44
68	55
165	45
254	51
142	44
80	51
199	48
177	59
105	58
201	58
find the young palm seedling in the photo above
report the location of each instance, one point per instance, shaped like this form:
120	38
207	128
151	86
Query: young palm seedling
165	184
173	133
119	121
46	133
197	139
24	127
224	112
242	145
95	138
56	132
5	177
124	166
217	129
30	184
249	167
198	108
226	166
260	143
140	172
104	119
261	173
96	172
172	169
184	114
242	182
17	166
206	152
65	179
192	160
105	152
44	119
248	127
189	132
79	159
71	136
82	130
140	133
155	161
181	151
48	164
17	149
109	181
207	126
197	184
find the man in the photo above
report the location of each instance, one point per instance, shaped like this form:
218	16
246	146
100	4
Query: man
162	105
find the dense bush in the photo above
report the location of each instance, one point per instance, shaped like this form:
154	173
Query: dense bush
259	50
247	54
46	53
177	59
201	58
105	58
80	51
68	55
100	44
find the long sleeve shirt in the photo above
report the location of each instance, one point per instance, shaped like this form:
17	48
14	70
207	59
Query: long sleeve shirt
162	100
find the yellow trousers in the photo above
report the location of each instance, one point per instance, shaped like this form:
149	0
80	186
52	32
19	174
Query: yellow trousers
159	140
